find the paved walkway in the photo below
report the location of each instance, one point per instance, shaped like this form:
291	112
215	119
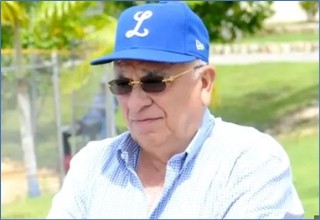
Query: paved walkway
256	58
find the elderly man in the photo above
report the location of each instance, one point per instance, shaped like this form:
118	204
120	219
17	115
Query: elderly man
176	160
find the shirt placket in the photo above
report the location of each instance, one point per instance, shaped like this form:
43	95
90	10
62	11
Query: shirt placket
172	175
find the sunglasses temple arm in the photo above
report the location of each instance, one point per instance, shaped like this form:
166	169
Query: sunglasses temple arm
172	78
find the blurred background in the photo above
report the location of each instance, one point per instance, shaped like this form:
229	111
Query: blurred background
266	55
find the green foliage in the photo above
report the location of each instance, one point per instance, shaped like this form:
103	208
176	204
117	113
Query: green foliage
6	37
115	8
54	24
228	20
55	11
13	13
59	25
310	8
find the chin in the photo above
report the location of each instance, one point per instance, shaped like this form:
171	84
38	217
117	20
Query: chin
147	138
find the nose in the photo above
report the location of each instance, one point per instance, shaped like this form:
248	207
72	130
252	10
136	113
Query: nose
138	99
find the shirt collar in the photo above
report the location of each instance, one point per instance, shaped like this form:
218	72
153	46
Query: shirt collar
201	135
129	150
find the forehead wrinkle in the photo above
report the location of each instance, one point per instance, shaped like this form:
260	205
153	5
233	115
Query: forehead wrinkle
130	72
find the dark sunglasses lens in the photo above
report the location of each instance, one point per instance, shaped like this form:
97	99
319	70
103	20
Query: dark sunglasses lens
120	86
153	84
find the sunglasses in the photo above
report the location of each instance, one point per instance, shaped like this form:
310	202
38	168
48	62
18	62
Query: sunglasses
152	83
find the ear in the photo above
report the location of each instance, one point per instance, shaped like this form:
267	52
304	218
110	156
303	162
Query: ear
207	80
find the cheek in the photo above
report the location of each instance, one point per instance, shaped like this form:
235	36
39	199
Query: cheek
189	104
187	100
178	108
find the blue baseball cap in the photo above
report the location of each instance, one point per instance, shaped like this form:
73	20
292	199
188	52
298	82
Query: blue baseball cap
167	32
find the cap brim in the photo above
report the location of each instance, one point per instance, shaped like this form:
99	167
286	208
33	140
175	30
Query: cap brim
145	55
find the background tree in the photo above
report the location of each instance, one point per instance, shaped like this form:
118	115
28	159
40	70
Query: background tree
229	20
311	8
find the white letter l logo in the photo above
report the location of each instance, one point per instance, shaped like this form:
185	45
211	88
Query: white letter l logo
140	16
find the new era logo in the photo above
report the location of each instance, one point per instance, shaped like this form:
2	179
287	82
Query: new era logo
199	45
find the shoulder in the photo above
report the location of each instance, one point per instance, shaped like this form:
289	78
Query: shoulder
244	139
240	150
256	173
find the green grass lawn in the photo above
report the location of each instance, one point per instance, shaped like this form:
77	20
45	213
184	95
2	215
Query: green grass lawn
261	94
28	208
281	38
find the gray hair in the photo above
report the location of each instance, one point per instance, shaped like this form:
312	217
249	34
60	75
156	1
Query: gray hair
197	73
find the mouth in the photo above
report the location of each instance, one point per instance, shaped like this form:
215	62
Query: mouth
145	120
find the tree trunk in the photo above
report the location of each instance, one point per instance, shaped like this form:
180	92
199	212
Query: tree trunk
26	128
311	17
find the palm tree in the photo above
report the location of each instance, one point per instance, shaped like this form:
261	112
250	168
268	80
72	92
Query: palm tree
72	25
53	16
14	14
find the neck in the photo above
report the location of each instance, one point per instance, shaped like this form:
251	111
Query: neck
161	154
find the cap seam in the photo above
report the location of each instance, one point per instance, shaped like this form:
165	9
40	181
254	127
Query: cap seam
185	29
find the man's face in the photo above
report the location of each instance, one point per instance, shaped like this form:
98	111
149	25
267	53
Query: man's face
173	114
